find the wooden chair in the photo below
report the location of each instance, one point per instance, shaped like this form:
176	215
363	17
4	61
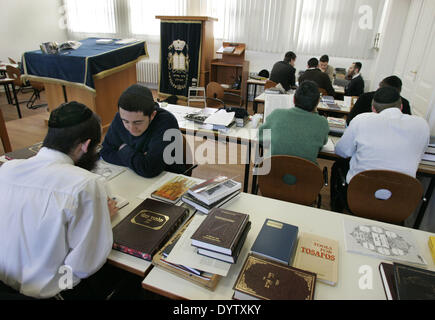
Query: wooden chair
293	179
217	97
365	187
36	87
323	92
4	135
269	84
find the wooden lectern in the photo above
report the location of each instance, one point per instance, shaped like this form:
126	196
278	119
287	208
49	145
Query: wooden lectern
205	53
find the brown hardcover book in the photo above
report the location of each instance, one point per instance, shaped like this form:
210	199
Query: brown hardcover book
172	190
319	255
208	281
220	231
147	228
262	279
24	153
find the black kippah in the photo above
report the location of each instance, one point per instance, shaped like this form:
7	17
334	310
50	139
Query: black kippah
137	96
69	114
386	95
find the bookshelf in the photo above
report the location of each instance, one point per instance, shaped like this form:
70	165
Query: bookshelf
232	66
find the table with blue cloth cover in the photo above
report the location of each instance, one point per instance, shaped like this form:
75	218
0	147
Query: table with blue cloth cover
93	74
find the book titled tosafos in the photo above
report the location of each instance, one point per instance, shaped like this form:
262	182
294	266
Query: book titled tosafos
147	228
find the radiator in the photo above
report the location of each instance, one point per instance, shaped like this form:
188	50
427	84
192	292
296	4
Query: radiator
147	72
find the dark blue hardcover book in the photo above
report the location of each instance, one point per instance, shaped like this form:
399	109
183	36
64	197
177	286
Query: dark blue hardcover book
277	241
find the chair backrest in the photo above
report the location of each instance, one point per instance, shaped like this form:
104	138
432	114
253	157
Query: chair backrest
14	73
291	179
4	135
269	84
366	187
214	90
323	92
215	95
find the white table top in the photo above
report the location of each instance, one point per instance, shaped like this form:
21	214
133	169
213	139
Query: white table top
308	219
246	133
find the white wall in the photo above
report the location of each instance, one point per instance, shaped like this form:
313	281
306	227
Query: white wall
24	24
391	38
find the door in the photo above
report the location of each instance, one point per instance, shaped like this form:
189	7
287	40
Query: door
415	64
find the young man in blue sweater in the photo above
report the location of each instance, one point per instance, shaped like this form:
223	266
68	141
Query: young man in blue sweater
135	136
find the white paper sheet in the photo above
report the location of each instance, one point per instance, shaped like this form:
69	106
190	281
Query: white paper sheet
107	170
276	101
185	254
329	146
221	118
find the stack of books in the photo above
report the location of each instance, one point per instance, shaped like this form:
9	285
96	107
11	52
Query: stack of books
403	282
212	193
336	125
199	277
222	235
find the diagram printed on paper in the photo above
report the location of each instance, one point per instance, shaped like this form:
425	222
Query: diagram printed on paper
380	241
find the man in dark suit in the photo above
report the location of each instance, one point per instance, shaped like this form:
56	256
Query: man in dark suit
365	101
313	73
284	71
356	85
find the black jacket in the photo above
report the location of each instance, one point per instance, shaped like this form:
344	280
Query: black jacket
318	77
364	104
355	87
284	73
143	154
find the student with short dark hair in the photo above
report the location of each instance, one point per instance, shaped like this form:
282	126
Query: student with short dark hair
135	136
55	212
313	73
325	67
385	139
297	131
356	85
364	102
284	71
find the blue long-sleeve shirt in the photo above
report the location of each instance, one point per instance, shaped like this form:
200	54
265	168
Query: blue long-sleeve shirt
143	154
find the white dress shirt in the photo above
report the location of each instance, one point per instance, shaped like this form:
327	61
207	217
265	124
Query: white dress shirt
53	213
388	140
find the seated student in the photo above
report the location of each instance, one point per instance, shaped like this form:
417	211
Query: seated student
325	67
55	212
313	73
135	136
385	139
364	102
284	72
298	131
356	85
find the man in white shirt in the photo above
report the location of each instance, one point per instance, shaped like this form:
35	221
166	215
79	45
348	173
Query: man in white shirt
55	226
385	139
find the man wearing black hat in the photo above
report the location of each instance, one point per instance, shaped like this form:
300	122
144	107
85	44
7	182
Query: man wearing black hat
385	139
55	215
135	138
364	102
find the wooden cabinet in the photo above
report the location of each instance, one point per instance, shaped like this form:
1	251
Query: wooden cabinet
231	68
